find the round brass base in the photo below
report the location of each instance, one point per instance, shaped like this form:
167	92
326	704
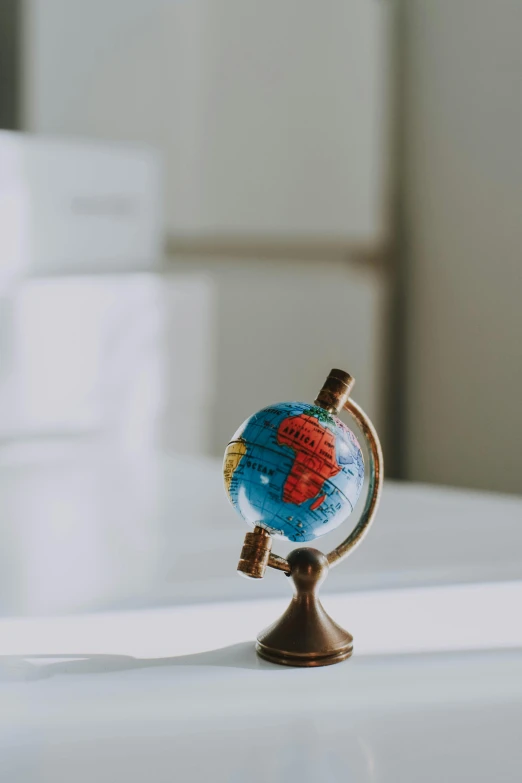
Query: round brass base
305	635
310	659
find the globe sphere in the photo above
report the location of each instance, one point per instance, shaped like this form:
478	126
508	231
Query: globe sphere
295	470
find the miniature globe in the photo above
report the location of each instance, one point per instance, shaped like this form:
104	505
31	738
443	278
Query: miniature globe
295	470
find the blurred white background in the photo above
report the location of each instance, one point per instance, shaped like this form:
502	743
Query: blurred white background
205	206
274	183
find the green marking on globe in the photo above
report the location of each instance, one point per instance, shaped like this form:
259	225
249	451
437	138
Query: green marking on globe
321	415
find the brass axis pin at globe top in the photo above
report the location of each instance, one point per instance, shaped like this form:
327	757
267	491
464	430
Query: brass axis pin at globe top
305	635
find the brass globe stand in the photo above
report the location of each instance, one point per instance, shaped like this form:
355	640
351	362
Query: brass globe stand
305	635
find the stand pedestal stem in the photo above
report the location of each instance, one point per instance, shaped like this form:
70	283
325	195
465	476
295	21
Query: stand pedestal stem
305	635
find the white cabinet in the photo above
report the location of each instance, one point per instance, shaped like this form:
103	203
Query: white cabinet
271	115
279	325
271	118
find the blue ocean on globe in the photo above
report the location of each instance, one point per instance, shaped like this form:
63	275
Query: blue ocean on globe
295	470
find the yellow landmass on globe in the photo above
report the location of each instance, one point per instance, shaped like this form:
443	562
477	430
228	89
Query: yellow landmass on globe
234	453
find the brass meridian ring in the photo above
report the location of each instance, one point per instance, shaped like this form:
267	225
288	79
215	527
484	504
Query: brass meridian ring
375	466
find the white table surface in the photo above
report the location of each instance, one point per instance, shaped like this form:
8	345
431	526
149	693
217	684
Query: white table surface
176	693
226	716
85	531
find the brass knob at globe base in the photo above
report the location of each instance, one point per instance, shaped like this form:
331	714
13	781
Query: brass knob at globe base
305	635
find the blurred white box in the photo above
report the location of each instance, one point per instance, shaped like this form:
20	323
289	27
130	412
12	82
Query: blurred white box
124	359
69	207
96	342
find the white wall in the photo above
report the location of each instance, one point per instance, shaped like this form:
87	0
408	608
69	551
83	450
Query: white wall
463	148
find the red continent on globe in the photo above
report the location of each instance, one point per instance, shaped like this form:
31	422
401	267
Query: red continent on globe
315	461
